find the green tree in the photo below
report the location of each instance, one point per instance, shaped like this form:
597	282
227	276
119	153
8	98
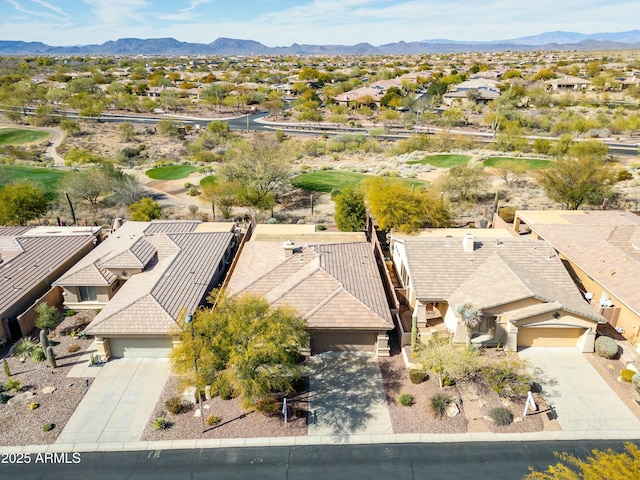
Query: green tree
244	342
20	203
88	184
70	127
574	181
351	210
465	183
220	195
145	210
47	318
599	465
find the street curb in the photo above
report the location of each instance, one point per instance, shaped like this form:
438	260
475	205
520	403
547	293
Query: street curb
322	440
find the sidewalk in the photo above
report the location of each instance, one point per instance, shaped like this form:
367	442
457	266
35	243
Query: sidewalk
322	440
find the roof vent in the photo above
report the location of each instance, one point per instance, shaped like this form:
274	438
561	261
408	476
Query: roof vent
289	247
468	243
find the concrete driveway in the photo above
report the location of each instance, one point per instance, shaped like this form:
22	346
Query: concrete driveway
347	396
582	399
119	403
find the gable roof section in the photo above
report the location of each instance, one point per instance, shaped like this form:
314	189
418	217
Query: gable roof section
34	263
138	256
515	268
151	301
330	285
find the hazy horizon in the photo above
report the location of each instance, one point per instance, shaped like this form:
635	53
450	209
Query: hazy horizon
281	23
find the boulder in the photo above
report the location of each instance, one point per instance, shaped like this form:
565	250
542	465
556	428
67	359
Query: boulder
189	395
21	398
48	390
518	419
207	392
631	366
452	410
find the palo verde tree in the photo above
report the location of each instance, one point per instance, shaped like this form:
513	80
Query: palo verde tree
145	210
20	203
600	464
453	362
351	210
396	205
47	318
244	343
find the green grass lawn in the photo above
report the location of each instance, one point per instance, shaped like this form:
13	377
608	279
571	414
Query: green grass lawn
171	172
13	136
210	180
47	177
329	180
443	161
532	163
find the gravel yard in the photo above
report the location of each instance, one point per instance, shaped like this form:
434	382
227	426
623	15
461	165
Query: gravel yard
475	405
235	422
18	423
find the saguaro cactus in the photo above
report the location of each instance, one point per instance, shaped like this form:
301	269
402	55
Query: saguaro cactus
51	356
44	339
5	364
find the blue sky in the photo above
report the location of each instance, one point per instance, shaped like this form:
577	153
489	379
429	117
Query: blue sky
282	22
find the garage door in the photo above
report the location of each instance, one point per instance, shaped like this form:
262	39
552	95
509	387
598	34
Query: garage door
549	337
136	347
343	342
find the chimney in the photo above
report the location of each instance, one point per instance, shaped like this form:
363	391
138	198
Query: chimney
468	243
289	247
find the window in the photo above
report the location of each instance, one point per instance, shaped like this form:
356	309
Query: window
87	294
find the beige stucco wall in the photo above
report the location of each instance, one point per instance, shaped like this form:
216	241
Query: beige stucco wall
103	295
627	319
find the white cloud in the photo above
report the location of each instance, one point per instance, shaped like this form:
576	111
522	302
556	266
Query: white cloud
38	13
184	14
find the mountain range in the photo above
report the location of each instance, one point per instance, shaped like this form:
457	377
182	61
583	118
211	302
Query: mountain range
228	46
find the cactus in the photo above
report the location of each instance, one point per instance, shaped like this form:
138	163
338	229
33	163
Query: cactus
414	332
44	339
7	370
51	356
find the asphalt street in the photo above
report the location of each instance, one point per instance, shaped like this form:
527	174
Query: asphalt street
477	461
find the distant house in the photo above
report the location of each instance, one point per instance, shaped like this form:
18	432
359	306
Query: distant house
568	82
481	90
330	279
31	259
601	250
526	296
375	90
144	277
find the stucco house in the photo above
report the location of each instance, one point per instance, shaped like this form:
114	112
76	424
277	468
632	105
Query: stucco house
144	277
526	296
481	90
331	279
31	259
601	250
568	82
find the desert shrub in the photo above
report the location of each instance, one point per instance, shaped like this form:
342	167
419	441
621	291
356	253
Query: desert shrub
268	406
174	405
405	399
624	174
635	380
504	379
24	348
627	374
13	384
213	420
47	427
193	191
69	313
4	398
507	213
501	416
417	376
33	406
160	423
38	355
439	403
223	388
2	387
187	185
606	347
74	347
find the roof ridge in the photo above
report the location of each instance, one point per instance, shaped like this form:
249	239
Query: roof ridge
266	274
326	300
303	277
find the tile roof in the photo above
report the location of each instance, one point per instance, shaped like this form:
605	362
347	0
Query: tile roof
150	301
33	262
138	256
514	267
604	244
330	285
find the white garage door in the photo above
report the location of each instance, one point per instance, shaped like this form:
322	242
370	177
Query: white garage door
138	347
